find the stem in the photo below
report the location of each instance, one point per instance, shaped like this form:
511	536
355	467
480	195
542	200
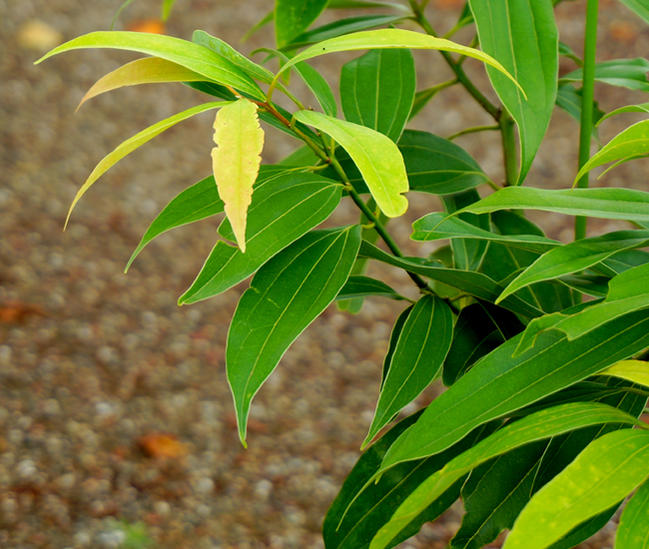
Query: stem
474	129
506	125
588	83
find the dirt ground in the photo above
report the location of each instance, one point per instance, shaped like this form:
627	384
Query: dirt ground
102	375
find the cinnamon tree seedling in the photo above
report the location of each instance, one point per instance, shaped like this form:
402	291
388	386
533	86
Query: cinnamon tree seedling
540	343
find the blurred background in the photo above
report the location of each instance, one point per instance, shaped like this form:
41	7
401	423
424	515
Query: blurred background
116	423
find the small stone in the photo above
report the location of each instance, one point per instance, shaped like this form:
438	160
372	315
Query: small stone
162	508
26	469
204	485
111	539
263	489
39	36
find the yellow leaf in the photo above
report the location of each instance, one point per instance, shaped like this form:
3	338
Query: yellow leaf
236	160
636	371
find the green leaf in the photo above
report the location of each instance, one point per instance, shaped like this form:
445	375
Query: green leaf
148	70
438	226
640	7
363	4
197	202
603	474
633	531
417	359
636	371
282	210
167	6
479	329
292	17
284	297
642	107
625	73
501	383
569	99
523	36
376	156
633	142
576	256
225	50
363	286
377	90
394	39
191	56
236	159
608	203
136	141
537	426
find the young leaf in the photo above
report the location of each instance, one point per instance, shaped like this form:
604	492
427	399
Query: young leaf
640	7
642	107
608	203
139	139
391	38
417	359
376	156
187	54
283	209
523	36
576	256
537	426
633	531
284	297
147	70
500	383
633	142
377	90
292	17
602	475
636	371
626	73
197	202
235	160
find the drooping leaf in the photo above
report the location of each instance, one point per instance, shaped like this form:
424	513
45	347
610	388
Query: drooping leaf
376	156
633	531
626	73
282	210
284	297
607	203
394	39
500	383
523	36
363	286
377	90
139	139
187	54
636	371
416	361
640	7
576	256
603	474
147	70
537	426
642	107
292	17
235	161
633	142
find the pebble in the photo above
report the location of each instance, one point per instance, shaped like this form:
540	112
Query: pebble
26	469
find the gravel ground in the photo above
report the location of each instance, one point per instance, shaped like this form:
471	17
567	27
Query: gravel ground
102	375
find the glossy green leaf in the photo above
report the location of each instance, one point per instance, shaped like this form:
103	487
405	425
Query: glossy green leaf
225	50
608	203
603	474
633	531
438	226
282	209
148	70
576	256
394	339
292	17
417	359
636	371
377	90
394	39
191	56
642	107
522	35
640	7
136	141
363	286
284	297
197	202
633	142
626	73
376	156
501	383
537	426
